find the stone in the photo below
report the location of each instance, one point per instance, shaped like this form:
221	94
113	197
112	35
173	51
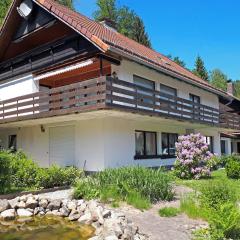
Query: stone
54	205
111	237
31	203
14	202
64	211
56	213
96	238
112	226
8	214
41	213
86	218
72	205
106	213
21	212
80	202
43	203
37	210
21	204
23	198
74	215
82	207
4	205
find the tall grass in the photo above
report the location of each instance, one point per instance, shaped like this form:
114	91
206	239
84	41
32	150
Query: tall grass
137	186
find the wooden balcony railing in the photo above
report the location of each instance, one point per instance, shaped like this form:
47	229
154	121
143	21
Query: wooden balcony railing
229	120
109	93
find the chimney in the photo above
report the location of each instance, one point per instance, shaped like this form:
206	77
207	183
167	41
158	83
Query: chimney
230	87
108	23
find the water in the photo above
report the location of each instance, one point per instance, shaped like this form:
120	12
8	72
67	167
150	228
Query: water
44	228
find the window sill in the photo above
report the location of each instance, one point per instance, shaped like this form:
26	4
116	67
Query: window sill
142	157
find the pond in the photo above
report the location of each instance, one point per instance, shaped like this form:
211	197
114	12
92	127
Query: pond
44	228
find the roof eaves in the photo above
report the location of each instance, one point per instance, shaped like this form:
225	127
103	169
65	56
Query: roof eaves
73	24
151	64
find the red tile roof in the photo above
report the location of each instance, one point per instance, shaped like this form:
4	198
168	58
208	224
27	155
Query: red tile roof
106	38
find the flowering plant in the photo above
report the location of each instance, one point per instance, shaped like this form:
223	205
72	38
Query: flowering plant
193	156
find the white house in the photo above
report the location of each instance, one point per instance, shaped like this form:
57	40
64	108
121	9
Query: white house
76	92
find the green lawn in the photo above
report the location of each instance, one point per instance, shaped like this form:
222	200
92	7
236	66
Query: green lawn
219	175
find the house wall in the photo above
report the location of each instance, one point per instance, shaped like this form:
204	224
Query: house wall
101	143
128	68
18	87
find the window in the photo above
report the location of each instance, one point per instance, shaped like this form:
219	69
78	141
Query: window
209	141
223	147
146	144
168	90
196	108
168	144
12	142
142	82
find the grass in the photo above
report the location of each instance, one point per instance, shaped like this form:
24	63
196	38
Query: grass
219	175
169	212
190	207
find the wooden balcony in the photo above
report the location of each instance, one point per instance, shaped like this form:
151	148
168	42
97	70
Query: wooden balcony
108	93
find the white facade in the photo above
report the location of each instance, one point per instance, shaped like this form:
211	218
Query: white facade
18	87
127	69
105	142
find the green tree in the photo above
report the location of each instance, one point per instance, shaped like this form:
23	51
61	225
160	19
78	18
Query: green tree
236	85
200	69
106	9
218	79
177	60
127	21
139	33
67	3
4	5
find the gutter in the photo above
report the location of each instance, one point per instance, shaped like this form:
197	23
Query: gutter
167	72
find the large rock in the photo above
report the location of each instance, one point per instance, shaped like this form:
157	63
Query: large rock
64	211
112	227
72	205
21	204
111	237
86	218
9	214
54	205
43	203
4	205
74	216
14	202
21	212
31	203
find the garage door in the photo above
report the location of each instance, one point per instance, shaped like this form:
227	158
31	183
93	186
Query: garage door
62	145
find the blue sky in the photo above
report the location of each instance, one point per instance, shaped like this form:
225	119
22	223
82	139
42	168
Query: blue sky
186	28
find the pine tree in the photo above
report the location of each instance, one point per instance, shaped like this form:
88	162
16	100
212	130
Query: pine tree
200	69
106	9
177	60
218	79
139	33
127	21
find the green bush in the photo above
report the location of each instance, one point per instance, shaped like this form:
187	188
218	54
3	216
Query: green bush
56	176
169	212
24	171
215	193
225	222
5	171
233	167
138	186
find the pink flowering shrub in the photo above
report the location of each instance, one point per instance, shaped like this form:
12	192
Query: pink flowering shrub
193	157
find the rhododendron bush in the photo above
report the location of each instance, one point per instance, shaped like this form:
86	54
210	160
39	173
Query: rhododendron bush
193	157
